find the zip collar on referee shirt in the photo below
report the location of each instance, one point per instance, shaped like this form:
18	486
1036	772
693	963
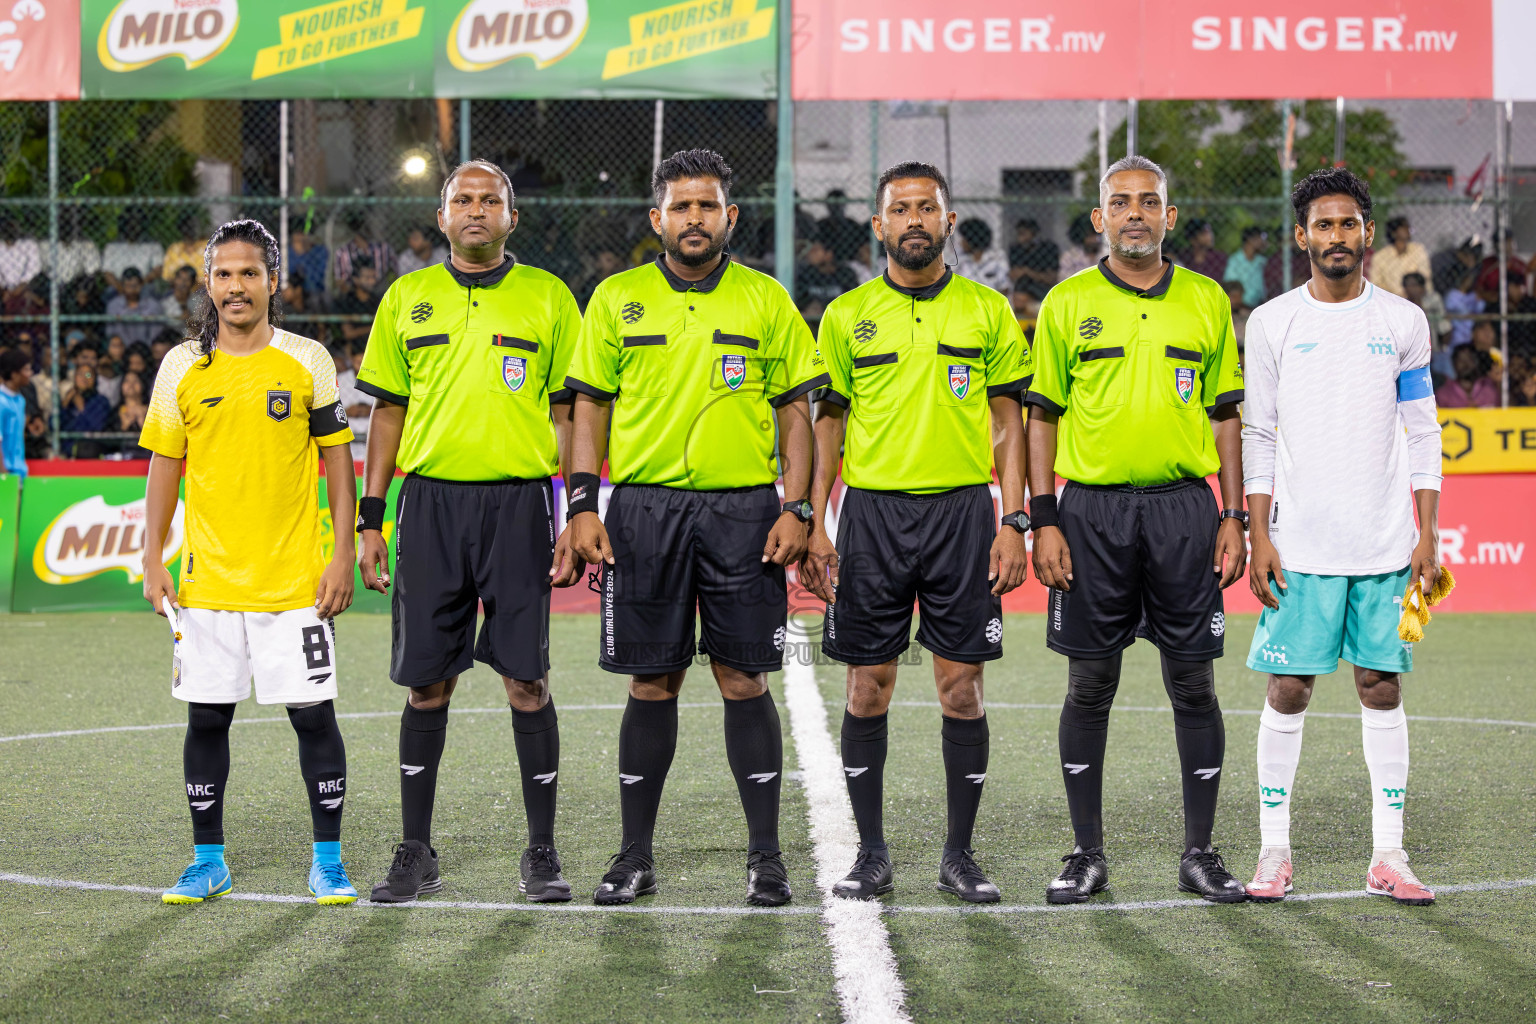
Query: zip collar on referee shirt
481	278
708	284
1150	293
927	291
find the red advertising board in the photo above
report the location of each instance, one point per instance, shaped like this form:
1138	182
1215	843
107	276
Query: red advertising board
40	50
1174	49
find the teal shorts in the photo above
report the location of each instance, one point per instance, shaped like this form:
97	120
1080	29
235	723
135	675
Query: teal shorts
1324	618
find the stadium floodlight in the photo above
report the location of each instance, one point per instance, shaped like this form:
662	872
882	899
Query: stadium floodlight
415	165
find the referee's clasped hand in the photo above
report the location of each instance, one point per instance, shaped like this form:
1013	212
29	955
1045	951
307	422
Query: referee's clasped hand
1008	566
373	560
786	541
818	568
1053	560
567	568
589	539
1231	556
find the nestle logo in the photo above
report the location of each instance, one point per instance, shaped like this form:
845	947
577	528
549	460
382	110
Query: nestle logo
865	329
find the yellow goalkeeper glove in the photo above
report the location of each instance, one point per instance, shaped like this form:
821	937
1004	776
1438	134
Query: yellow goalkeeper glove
1416	605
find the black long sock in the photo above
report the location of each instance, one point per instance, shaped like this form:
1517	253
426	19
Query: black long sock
422	733
647	741
205	763
1082	736
864	745
323	763
965	744
754	745
1202	738
537	736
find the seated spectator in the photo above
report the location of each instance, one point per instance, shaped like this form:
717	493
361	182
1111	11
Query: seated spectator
976	259
1402	256
820	279
183	285
1462	299
1085	248
1472	386
109	370
136	360
128	417
1200	252
1237	295
78	257
359	406
1247	266
359	251
15	377
130	301
605	262
28	300
359	300
21	259
1522	333
132	248
1488	276
166	340
296	295
1522	382
841	233
1416	290
186	251
82	296
86	410
421	250
307	258
1451	265
860	264
1034	263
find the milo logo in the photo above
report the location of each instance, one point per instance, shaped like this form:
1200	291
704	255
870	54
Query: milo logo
491	32
140	32
91	537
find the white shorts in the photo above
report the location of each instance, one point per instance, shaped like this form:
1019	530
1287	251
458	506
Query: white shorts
291	655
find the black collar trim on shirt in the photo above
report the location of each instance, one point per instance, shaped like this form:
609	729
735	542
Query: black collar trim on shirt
708	284
930	291
1150	293
481	278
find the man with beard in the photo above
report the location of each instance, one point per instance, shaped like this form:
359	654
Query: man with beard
928	369
1134	402
1339	430
466	365
697	359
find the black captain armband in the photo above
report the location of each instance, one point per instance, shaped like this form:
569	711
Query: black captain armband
370	514
1042	511
584	487
327	419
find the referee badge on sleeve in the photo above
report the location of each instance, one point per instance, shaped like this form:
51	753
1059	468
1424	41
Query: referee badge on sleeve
1184	382
514	370
733	370
959	379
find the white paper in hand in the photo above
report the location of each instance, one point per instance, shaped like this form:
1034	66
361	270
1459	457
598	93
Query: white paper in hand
170	617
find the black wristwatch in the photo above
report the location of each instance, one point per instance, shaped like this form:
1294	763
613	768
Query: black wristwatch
801	509
1018	520
1235	513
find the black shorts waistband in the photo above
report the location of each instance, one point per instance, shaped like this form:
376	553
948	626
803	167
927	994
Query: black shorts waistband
690	490
936	496
510	482
1176	485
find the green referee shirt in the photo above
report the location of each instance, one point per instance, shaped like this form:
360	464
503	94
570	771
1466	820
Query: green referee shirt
915	367
476	359
1135	374
695	370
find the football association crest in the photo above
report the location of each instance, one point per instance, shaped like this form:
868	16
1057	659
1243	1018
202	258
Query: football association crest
1184	382
959	379
514	370
733	370
279	404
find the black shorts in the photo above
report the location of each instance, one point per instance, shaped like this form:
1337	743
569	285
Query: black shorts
674	549
895	548
1141	566
458	544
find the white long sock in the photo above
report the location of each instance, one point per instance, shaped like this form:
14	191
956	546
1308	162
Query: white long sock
1279	753
1384	741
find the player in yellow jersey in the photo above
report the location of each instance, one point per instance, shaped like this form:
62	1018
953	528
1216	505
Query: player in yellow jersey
241	405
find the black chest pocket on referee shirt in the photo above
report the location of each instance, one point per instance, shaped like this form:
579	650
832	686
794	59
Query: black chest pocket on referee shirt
1100	379
428	357
645	366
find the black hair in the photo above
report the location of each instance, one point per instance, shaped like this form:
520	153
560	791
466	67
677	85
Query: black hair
1251	231
976	232
1414	277
484	165
11	362
1330	181
690	163
203	320
1195	226
1028	223
1394	224
911	169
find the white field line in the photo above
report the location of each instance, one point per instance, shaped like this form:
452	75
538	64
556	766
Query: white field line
868	988
742	911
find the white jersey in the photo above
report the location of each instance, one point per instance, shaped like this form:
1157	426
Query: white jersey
1339	425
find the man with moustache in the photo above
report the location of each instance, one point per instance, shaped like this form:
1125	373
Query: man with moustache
703	367
1135	402
928	369
466	364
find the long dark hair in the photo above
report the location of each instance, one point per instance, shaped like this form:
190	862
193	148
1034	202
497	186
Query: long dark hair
203	320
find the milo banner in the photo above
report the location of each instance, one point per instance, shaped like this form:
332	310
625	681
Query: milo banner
390	48
80	544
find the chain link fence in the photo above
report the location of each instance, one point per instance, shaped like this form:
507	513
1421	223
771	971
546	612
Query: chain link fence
137	186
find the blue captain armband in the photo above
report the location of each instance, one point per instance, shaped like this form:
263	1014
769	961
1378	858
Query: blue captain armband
1413	385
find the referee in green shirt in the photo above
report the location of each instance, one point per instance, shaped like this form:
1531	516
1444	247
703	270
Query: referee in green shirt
705	366
927	370
1134	402
466	364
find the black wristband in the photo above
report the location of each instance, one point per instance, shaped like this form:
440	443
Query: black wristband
583	495
370	514
1042	511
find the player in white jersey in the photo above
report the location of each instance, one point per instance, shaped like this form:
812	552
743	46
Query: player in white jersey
1340	448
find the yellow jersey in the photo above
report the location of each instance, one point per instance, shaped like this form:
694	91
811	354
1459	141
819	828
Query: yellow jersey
248	427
